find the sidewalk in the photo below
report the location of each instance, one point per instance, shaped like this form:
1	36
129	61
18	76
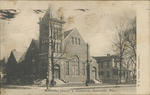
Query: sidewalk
73	87
100	86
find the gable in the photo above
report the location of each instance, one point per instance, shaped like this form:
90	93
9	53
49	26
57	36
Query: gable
75	45
22	57
11	58
15	56
34	44
66	33
74	33
32	50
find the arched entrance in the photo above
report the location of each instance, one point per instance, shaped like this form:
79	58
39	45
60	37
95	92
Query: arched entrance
93	73
57	71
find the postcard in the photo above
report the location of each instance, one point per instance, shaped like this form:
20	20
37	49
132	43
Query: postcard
74	47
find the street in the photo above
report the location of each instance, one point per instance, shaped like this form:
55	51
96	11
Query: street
34	90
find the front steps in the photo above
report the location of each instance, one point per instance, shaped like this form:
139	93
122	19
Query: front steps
96	81
62	83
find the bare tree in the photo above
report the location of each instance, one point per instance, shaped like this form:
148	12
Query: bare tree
130	38
122	25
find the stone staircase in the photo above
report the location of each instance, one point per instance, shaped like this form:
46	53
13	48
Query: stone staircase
97	81
40	82
59	82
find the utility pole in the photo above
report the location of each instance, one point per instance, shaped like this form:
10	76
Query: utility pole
52	56
87	68
47	80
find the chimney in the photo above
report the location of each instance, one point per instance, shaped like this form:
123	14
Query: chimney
108	55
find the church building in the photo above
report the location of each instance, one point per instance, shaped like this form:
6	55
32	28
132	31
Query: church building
64	54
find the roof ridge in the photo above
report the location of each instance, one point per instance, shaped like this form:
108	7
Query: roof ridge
36	42
66	33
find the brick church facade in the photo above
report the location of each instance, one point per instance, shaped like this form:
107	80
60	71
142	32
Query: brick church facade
69	52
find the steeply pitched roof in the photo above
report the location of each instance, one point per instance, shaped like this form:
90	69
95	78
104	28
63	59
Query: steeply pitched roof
17	55
66	33
22	57
36	43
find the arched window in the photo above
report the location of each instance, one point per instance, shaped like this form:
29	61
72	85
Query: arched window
78	41
75	66
67	67
57	33
94	73
83	68
56	44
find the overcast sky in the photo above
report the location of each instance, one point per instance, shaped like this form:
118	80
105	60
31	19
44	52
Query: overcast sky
95	24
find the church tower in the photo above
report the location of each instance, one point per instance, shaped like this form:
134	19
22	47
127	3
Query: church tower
51	28
51	39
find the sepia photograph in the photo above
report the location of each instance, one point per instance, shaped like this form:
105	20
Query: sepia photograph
73	47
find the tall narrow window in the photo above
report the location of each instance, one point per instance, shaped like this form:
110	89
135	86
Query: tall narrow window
124	74
72	40
59	48
67	68
101	65
75	66
56	47
57	33
83	68
108	64
78	41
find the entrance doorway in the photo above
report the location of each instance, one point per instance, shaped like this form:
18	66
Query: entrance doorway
93	73
57	72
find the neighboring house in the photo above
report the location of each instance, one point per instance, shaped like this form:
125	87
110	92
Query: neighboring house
70	52
12	69
23	67
109	69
